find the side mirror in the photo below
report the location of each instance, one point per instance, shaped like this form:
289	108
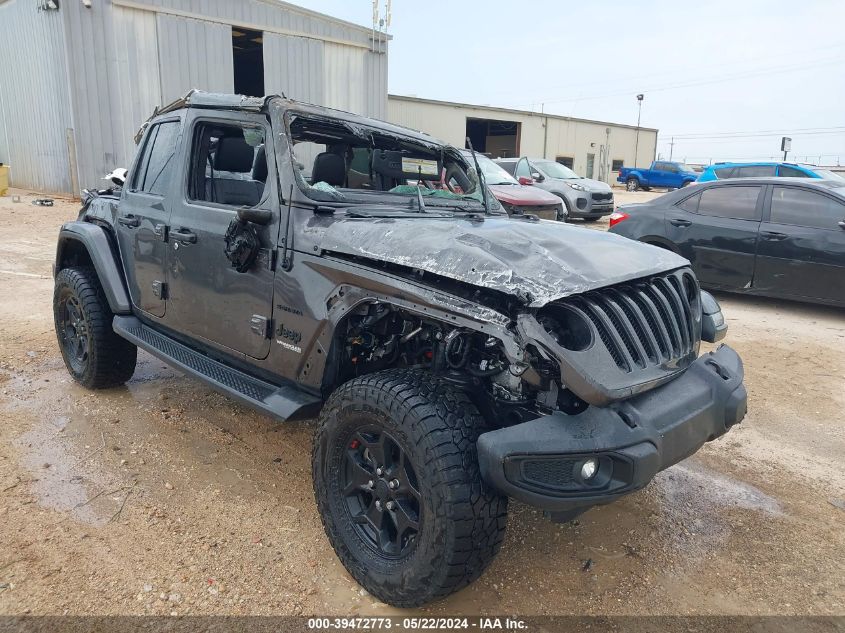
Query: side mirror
256	216
536	175
525	180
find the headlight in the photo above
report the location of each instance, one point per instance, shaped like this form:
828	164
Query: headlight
576	186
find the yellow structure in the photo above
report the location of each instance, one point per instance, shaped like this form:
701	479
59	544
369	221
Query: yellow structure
4	179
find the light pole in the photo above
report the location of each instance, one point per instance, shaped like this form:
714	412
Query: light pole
637	142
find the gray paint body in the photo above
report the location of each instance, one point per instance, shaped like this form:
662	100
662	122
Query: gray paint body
336	261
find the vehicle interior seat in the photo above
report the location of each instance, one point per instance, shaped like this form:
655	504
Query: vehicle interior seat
238	187
329	168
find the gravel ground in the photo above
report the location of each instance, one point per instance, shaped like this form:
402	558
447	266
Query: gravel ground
164	497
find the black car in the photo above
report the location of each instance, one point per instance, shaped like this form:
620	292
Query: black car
777	237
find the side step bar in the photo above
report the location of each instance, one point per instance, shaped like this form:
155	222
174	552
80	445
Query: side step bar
284	403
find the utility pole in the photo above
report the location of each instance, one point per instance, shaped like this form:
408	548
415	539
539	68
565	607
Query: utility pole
671	149
637	141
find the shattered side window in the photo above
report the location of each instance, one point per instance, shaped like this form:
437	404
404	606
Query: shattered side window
336	160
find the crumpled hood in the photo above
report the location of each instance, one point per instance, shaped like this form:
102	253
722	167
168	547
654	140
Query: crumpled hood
535	261
523	195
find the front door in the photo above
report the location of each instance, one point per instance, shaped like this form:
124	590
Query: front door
142	218
802	245
716	230
226	168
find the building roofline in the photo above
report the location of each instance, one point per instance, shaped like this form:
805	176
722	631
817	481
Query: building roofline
560	117
322	16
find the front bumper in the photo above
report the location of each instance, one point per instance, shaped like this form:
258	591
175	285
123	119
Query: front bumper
586	206
539	462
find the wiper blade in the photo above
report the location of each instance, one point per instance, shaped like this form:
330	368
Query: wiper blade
364	213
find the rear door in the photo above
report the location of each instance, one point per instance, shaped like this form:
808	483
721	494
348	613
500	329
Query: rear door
143	215
226	167
802	244
717	229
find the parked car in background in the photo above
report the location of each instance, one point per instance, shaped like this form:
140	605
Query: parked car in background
721	171
661	174
582	197
516	198
777	237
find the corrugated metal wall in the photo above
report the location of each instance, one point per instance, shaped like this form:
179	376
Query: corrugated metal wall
124	57
34	103
293	66
264	15
344	77
138	89
193	54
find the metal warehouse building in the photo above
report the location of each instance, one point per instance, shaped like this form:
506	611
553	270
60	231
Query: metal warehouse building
80	76
592	148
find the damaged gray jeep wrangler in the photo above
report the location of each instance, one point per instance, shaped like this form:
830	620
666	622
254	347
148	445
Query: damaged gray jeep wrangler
310	262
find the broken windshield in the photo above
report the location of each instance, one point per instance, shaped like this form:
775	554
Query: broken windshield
335	160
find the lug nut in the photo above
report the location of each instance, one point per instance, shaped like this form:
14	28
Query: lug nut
378	504
394	484
390	505
379	471
370	484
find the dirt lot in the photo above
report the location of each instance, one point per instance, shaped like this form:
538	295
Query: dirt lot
164	497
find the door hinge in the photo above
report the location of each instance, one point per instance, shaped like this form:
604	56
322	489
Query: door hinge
261	325
160	231
160	289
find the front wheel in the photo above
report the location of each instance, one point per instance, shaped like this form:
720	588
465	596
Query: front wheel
95	356
399	490
632	184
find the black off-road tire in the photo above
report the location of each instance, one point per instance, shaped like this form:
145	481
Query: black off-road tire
107	359
461	521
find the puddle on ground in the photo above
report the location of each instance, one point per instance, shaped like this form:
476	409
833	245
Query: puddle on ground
65	447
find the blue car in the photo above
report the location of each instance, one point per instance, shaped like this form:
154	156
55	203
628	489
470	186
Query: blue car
720	171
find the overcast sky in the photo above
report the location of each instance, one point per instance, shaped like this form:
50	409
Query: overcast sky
711	68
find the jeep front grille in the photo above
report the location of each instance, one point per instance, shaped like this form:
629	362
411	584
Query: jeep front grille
645	323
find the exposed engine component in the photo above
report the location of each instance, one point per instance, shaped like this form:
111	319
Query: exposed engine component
380	336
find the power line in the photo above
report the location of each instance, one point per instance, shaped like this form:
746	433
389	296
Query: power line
744	75
740	134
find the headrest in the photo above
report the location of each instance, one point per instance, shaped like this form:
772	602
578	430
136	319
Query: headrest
329	168
234	154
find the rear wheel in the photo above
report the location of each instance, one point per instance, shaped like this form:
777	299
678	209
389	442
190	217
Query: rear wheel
399	490
95	356
632	184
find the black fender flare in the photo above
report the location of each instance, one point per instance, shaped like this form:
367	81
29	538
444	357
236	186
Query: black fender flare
95	241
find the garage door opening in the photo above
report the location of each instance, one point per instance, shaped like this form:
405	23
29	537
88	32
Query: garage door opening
248	62
497	139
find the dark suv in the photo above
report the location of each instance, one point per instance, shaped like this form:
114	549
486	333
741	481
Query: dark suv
291	257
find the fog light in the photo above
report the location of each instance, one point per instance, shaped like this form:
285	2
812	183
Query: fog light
589	468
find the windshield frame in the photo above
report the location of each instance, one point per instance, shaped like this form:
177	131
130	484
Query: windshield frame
347	197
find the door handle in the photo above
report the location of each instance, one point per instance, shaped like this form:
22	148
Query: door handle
842	225
678	222
129	221
771	235
184	235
